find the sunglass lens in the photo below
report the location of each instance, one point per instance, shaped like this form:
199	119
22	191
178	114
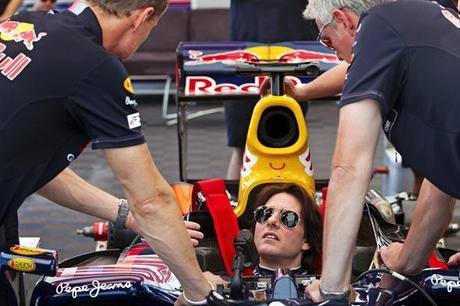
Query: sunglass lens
289	218
262	214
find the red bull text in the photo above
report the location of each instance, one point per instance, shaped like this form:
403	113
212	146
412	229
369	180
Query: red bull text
19	32
205	85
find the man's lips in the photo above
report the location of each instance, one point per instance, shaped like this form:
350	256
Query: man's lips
270	235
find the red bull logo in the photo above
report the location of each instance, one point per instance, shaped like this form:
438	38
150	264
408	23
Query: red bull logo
298	56
260	53
227	58
20	32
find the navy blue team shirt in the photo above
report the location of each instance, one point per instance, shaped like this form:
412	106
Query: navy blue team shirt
407	58
59	90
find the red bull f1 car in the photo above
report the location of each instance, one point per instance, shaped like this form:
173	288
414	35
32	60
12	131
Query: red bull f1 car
130	273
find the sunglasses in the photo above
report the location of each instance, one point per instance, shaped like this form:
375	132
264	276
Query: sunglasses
323	39
288	218
52	1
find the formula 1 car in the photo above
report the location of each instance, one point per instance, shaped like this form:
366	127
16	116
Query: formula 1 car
136	276
132	274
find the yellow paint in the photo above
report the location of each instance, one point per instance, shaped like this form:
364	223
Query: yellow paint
256	165
269	53
128	85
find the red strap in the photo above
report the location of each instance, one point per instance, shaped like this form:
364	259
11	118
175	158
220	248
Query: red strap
322	210
434	262
224	219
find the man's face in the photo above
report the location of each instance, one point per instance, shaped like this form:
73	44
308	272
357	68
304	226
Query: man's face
275	242
334	36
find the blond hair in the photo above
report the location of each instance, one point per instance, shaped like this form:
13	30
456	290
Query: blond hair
125	7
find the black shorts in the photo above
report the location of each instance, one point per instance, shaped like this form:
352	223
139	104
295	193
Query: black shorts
237	117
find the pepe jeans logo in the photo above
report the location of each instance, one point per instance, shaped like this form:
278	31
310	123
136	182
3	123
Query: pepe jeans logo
93	289
437	279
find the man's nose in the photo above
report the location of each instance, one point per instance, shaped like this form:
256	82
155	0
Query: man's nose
273	220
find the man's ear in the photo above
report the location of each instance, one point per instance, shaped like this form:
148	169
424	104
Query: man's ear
305	246
345	17
142	15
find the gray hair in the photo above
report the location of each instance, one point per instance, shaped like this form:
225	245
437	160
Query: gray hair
124	7
321	10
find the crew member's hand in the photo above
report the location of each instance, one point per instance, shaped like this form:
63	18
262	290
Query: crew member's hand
215	280
289	88
132	225
390	256
454	259
193	230
180	301
313	293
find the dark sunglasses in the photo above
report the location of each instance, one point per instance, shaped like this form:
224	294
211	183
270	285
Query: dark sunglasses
323	39
288	218
52	1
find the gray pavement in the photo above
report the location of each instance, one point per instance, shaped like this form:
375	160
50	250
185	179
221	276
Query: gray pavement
208	156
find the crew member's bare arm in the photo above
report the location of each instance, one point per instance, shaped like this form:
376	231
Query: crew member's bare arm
328	84
358	134
71	191
157	215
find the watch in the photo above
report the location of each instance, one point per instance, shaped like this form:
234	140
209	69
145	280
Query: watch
123	210
335	295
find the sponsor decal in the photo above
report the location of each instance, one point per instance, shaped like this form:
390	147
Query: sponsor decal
93	289
12	67
70	157
299	56
256	54
22	264
129	101
203	85
452	18
20	32
128	85
449	284
249	160
134	120
389	122
305	160
227	58
26	251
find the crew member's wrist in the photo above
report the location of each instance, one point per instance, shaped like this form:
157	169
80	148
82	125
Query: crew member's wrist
197	301
336	295
122	215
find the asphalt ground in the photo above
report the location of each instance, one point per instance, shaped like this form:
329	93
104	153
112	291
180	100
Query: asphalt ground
208	157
